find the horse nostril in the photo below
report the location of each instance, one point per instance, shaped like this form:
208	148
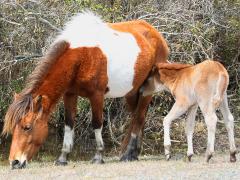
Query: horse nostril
15	164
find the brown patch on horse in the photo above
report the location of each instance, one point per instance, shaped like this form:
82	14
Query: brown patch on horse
154	48
43	66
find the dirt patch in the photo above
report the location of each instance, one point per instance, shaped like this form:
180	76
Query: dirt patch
150	167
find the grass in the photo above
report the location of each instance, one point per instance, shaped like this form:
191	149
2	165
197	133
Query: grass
148	167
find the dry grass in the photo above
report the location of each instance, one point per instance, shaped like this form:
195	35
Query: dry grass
150	167
195	30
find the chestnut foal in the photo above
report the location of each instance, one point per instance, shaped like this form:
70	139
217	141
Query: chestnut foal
203	85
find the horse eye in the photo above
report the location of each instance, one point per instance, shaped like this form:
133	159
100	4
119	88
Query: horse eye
27	128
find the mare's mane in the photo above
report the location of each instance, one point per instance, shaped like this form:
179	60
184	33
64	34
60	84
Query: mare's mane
44	65
24	103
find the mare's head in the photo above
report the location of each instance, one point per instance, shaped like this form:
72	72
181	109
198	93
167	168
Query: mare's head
27	120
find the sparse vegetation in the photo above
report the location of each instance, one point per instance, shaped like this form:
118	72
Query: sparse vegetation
195	30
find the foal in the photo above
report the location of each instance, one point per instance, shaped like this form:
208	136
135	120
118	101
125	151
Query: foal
202	85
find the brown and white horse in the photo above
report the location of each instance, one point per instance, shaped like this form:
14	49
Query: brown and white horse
203	85
91	59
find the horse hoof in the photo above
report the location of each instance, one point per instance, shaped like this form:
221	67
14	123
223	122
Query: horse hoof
233	157
61	163
209	156
127	158
190	157
124	158
168	157
97	161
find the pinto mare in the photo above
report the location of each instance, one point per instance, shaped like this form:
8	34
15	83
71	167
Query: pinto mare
202	85
91	59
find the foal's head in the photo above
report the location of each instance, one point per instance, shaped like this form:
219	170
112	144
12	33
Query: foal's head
153	84
161	77
27	120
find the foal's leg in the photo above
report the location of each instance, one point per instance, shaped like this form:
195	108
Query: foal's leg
211	121
70	105
229	122
134	133
176	111
97	121
190	122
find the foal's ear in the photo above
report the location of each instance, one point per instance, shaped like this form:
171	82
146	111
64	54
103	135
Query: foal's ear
37	103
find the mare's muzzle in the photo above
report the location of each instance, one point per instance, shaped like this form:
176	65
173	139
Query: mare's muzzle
16	164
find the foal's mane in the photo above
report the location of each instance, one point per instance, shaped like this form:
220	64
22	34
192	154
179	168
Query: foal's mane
24	103
173	66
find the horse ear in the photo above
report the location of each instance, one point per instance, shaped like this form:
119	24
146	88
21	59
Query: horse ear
16	96
37	105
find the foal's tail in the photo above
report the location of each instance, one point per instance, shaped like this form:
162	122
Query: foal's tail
221	87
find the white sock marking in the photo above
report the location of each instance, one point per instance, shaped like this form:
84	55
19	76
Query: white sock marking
68	139
99	140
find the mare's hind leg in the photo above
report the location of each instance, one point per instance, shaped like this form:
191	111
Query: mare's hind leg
97	121
229	122
70	105
133	137
190	122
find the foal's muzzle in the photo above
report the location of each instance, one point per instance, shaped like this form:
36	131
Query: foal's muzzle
16	164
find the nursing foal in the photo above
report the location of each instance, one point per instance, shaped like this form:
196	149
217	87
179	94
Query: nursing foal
202	85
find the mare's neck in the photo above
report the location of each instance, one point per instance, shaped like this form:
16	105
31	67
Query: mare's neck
57	80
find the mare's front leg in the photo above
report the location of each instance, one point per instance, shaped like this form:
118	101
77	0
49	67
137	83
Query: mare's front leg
70	105
176	111
97	101
133	138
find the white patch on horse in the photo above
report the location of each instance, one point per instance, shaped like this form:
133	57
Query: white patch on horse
120	48
99	140
68	139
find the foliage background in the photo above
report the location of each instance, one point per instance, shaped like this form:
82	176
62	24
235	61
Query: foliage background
195	30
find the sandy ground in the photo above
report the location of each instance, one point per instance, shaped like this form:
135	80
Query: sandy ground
150	167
